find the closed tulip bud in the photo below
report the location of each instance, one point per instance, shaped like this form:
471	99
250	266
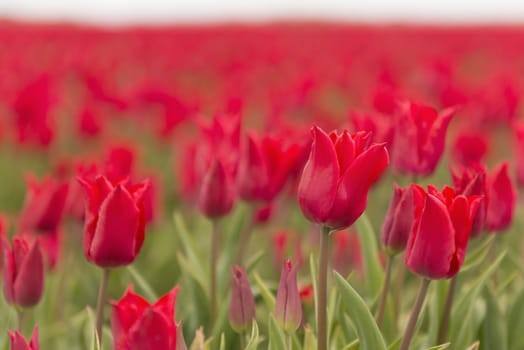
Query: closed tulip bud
23	272
44	205
138	325
217	194
502	199
242	306
399	219
440	233
420	137
114	221
18	341
472	182
336	179
288	306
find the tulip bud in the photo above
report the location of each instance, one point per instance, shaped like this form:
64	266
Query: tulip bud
502	199
18	341
137	325
44	205
335	182
217	193
519	153
242	306
23	272
399	219
115	221
440	233
288	307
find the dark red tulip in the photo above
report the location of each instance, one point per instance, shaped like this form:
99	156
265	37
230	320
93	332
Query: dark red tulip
335	182
472	181
217	193
242	305
440	233
399	219
519	152
18	341
288	306
138	325
502	199
114	221
44	204
420	137
23	272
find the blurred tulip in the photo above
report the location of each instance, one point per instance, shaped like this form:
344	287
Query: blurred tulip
420	137
470	148
44	204
471	181
519	152
399	219
440	234
75	197
138	325
115	221
18	341
217	193
23	272
119	163
288	306
502	199
347	254
337	177
242	305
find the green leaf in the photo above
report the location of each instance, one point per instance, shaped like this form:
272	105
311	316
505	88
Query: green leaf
142	283
354	345
439	347
477	256
222	342
367	329
255	339
310	341
515	317
372	268
94	342
197	274
277	340
474	346
314	279
269	299
494	330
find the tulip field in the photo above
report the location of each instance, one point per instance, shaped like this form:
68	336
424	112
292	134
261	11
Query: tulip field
278	186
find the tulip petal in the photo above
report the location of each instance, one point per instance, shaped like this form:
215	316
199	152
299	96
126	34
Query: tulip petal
151	332
502	199
18	341
9	271
166	306
461	219
318	183
34	344
345	148
124	315
116	231
253	177
29	282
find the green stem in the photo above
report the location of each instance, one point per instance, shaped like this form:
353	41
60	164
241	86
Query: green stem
385	288
19	319
322	290
245	236
242	341
410	329
444	322
215	245
102	294
397	291
288	341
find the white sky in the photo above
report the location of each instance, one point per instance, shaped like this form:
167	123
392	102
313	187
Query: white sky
177	11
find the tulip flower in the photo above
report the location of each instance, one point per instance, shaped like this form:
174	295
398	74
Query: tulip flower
399	219
502	199
44	205
470	147
217	193
23	272
264	167
18	341
119	163
138	325
420	137
519	152
335	182
288	306
115	221
440	233
242	305
472	181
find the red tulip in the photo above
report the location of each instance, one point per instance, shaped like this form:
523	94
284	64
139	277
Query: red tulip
420	135
217	193
44	204
399	219
347	254
115	221
75	197
23	272
288	306
440	233
472	181
119	163
519	152
242	305
470	148
337	177
264	167
18	341
138	325
502	197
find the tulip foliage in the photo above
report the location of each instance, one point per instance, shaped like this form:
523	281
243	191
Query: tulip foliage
297	186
